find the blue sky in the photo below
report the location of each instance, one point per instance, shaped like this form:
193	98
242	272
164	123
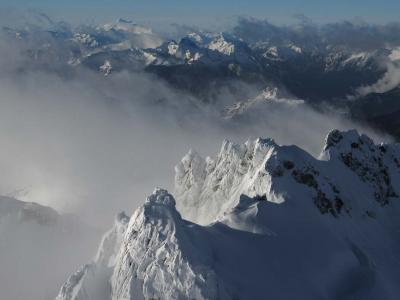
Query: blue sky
189	11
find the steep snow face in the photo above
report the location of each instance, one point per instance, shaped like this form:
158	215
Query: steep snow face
378	166
285	251
285	225
159	258
351	168
207	188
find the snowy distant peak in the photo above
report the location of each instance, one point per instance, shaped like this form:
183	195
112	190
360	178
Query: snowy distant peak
206	48
395	54
106	68
333	58
197	38
337	141
274	52
172	53
188	50
222	45
172	47
85	39
276	94
27	212
270	95
127	26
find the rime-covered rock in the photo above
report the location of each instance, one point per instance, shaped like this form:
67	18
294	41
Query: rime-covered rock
351	171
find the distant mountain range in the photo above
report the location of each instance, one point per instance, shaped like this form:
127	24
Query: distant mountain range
317	67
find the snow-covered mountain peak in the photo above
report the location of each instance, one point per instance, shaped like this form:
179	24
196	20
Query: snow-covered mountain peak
157	257
270	95
207	48
263	169
156	248
395	54
127	26
376	165
85	39
343	141
196	38
161	196
266	206
200	182
28	212
222	45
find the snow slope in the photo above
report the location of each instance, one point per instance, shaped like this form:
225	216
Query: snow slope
277	223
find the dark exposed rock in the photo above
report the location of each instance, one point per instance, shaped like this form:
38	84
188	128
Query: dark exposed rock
338	204
374	171
382	148
370	214
333	138
288	164
277	172
260	198
324	204
305	178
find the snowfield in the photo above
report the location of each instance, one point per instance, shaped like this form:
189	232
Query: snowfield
260	221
